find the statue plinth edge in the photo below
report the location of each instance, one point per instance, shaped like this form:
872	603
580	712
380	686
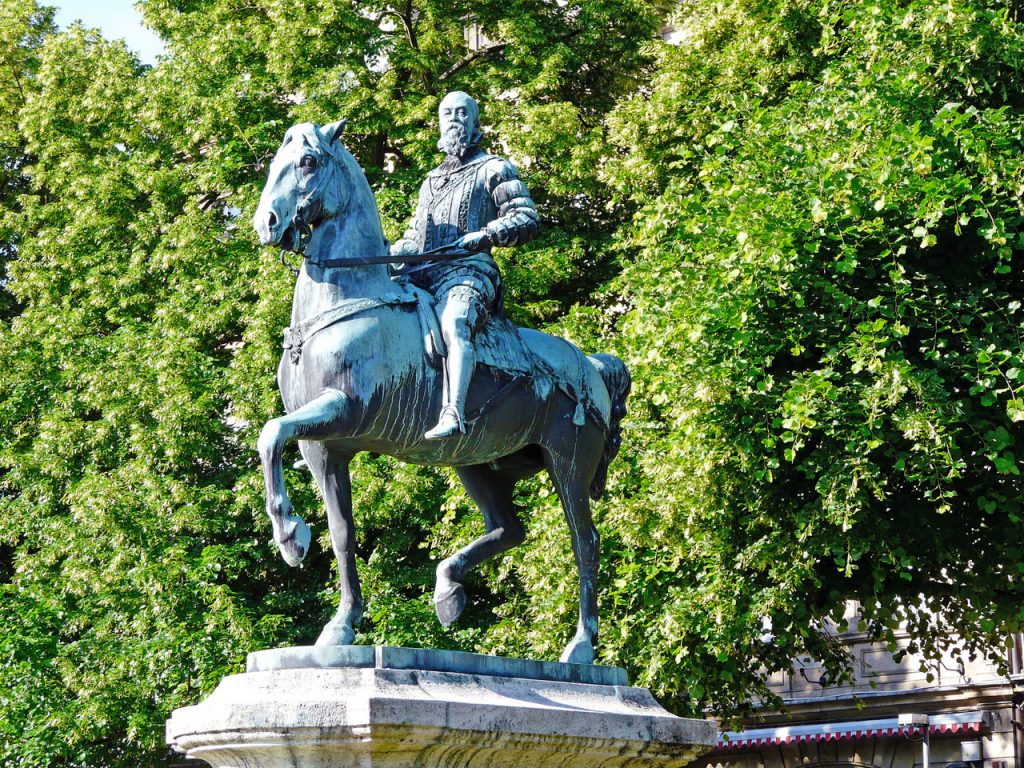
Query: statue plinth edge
372	707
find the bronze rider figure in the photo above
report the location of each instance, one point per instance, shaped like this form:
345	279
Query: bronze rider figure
471	202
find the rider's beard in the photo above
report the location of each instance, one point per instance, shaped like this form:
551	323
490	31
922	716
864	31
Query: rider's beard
454	142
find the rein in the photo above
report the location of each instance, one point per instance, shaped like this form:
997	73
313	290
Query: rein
442	253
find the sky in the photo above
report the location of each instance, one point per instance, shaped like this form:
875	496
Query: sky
115	19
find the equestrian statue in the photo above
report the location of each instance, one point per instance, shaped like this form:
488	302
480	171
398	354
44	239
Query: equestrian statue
405	351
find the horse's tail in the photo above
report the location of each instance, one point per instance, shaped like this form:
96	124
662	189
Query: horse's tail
618	382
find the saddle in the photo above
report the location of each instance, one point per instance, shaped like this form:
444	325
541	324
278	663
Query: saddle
498	343
500	347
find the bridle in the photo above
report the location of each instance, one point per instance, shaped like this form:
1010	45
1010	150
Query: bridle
303	229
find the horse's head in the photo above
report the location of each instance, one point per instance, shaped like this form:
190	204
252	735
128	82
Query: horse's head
303	187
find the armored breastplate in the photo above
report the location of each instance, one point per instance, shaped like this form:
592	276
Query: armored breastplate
456	203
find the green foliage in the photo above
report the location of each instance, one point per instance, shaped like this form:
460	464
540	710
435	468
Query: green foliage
131	543
824	323
142	333
23	26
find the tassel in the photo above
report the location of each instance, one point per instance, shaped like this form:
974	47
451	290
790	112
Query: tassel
578	418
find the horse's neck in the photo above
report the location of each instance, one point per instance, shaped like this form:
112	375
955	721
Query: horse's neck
355	233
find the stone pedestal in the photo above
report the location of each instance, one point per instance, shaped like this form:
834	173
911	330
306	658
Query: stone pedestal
365	707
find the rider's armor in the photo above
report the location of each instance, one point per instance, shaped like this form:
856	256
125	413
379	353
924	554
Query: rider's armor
464	196
482	192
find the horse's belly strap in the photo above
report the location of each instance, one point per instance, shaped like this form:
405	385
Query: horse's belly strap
297	335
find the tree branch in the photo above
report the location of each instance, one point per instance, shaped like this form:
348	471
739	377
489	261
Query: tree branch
405	19
14	75
465	62
410	33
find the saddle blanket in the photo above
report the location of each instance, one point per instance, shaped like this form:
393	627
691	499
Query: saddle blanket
500	347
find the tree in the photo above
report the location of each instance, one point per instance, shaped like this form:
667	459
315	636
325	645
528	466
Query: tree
823	290
140	351
22	28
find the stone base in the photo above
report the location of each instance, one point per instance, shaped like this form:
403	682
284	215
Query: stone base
352	706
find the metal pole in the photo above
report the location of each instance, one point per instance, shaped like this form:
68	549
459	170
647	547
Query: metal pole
913	721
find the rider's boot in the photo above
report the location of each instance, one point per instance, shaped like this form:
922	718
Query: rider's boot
461	361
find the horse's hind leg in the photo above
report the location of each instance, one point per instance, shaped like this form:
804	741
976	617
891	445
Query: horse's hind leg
571	476
320	418
331	473
493	492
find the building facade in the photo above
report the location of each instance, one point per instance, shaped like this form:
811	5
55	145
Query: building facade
974	714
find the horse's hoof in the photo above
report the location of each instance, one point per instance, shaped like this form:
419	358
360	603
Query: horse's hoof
450	605
296	542
336	634
579	651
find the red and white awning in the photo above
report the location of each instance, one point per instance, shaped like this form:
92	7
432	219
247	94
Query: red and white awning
959	722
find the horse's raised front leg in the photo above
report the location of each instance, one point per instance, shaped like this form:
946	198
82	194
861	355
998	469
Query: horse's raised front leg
332	476
493	493
571	477
320	418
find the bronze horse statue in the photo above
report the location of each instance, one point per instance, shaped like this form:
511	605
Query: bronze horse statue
355	377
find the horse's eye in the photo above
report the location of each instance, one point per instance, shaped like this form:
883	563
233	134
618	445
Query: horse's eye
308	164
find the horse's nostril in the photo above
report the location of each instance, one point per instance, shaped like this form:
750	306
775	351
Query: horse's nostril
272	220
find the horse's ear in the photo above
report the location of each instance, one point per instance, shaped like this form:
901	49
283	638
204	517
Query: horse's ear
334	130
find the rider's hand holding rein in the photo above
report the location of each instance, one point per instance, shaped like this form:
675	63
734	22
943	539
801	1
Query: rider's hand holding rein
404	248
473	241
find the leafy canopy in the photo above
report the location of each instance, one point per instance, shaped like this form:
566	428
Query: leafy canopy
824	321
142	331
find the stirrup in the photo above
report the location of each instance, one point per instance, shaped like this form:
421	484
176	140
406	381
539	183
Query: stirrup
450	423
